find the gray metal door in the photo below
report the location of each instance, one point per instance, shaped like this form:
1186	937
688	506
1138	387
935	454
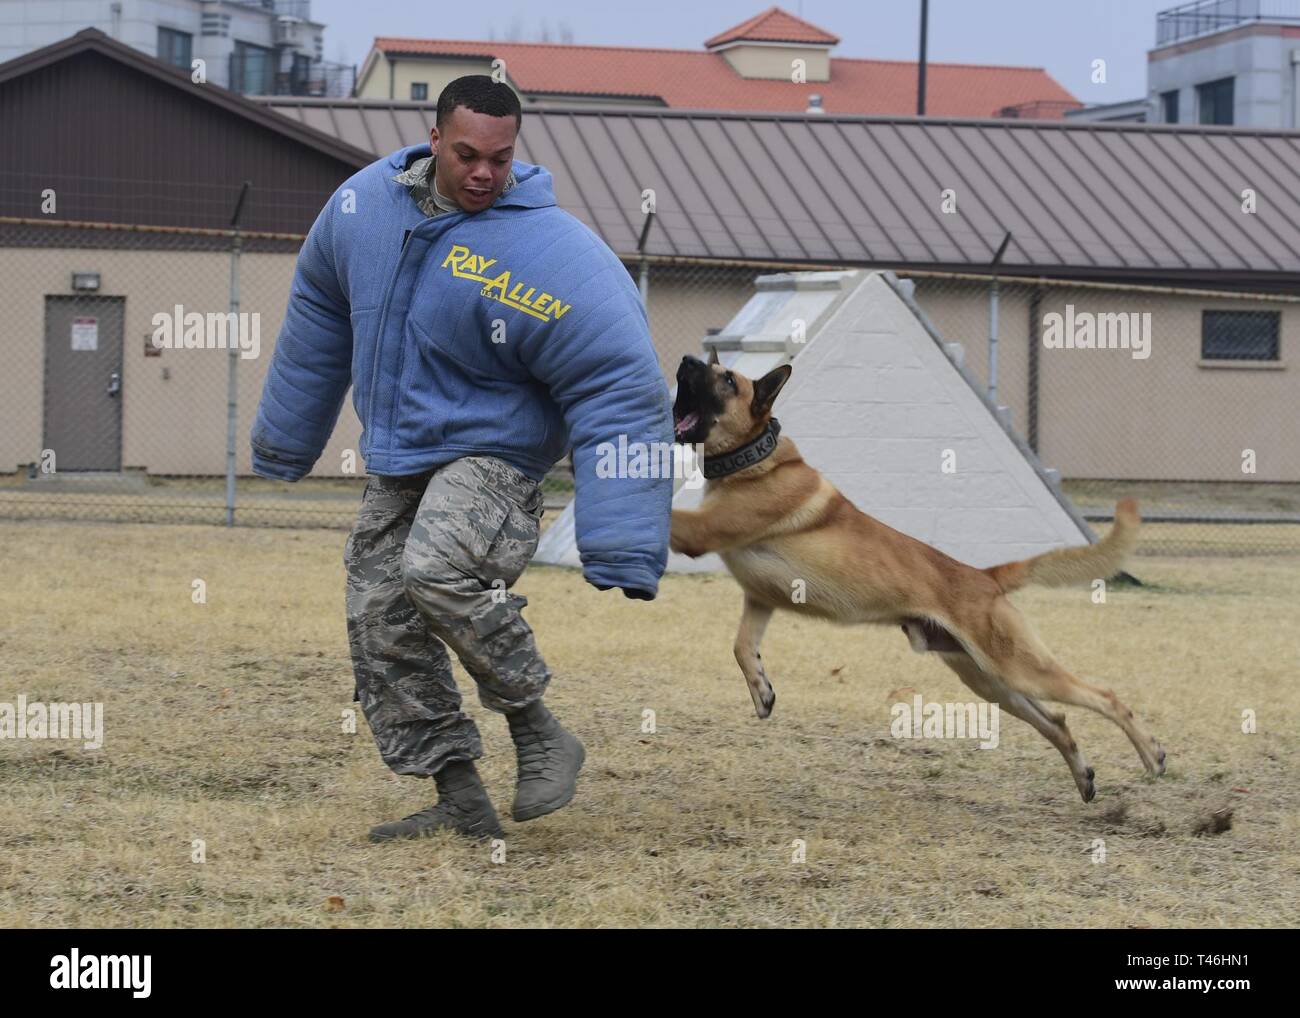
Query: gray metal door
83	382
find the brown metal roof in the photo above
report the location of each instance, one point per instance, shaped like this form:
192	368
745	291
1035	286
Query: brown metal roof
1103	200
92	40
122	138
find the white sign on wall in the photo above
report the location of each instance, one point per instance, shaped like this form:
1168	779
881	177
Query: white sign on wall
85	334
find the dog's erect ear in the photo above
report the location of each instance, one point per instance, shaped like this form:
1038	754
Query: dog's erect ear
713	356
766	388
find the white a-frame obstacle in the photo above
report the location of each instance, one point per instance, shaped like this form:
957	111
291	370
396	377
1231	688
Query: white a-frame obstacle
884	408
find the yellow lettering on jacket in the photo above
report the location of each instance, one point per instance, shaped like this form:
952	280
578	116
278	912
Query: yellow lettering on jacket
466	264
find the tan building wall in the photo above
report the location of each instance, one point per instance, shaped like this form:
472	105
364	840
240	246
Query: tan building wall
438	73
406	71
777	62
173	405
684	303
1102	413
960	312
1171	416
1107	414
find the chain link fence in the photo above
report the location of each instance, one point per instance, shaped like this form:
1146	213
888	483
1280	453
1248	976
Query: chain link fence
122	343
135	353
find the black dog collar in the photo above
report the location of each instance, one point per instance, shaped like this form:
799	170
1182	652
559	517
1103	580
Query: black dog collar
746	455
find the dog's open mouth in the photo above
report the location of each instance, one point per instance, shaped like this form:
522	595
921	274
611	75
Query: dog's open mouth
695	405
687	415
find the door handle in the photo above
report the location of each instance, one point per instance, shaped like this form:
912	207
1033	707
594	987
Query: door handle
114	384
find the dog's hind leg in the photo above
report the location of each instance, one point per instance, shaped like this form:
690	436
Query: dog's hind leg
753	623
1057	684
1029	710
1024	663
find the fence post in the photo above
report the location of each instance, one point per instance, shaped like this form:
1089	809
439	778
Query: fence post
232	361
643	279
1035	307
993	341
993	321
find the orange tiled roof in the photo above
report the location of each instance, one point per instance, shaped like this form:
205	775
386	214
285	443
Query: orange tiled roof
774	25
698	79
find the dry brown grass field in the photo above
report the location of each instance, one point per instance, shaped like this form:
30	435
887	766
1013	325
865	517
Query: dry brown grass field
224	724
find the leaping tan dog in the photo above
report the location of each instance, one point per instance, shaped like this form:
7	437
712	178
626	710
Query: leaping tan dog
775	520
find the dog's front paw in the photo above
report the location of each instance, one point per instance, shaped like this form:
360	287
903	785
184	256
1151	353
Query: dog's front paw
682	547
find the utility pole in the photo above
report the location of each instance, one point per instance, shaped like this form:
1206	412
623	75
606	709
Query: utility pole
920	66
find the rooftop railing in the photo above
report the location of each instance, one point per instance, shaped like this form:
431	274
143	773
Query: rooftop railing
1204	17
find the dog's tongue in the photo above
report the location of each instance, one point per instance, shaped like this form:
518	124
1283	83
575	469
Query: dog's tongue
687	422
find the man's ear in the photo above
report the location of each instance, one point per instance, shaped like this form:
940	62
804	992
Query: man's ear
766	388
713	355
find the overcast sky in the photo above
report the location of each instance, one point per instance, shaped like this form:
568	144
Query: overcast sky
1063	36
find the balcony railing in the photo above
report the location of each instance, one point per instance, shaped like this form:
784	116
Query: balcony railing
257	72
1040	109
289	8
1187	21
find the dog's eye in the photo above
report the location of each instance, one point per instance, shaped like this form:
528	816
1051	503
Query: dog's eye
731	381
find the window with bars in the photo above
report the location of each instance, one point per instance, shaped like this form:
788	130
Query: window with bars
1240	335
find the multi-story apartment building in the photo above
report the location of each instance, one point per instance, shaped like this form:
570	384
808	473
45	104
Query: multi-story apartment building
255	47
1219	62
1227	62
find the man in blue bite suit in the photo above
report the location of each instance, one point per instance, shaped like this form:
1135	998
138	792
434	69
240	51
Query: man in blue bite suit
485	332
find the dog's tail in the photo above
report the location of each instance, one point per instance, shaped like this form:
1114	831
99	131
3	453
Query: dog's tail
1064	566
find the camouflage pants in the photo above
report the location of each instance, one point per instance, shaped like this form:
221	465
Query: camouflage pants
430	563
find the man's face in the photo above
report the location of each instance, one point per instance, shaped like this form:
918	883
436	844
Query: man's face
474	151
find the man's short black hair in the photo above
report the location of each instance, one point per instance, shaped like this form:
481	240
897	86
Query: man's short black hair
479	93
